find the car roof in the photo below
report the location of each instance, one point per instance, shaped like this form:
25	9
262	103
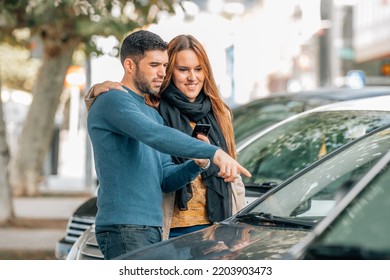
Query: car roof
378	103
335	94
339	93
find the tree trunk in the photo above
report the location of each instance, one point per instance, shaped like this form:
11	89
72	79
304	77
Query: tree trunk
6	206
38	128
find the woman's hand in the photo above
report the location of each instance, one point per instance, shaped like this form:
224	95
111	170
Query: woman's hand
106	86
203	163
202	137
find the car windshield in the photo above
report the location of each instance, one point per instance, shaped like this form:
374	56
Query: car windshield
287	149
256	116
362	230
313	194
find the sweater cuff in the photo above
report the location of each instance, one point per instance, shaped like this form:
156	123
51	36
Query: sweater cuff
88	99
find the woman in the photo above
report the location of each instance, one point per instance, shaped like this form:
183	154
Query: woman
189	95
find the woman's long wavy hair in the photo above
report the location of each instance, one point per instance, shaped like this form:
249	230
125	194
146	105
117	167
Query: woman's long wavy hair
222	112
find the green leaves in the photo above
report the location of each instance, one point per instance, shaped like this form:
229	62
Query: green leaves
79	19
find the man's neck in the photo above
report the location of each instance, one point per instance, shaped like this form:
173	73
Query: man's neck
132	87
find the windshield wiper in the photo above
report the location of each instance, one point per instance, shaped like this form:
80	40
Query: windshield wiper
340	252
259	189
265	185
271	220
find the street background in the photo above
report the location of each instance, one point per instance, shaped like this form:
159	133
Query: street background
41	221
256	48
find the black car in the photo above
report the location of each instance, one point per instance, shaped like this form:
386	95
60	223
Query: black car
265	177
270	226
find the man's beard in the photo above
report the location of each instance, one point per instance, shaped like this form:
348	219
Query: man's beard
143	84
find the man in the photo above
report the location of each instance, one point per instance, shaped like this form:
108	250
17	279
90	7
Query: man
132	151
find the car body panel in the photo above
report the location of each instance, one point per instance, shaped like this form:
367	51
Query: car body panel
224	241
85	247
82	218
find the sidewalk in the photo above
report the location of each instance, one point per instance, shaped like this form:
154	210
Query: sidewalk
41	221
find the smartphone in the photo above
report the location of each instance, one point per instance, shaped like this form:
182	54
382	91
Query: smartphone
202	128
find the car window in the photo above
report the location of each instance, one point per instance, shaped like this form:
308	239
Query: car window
260	114
312	103
365	222
257	116
314	194
289	148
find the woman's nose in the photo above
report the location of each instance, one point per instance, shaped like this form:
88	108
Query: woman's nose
191	75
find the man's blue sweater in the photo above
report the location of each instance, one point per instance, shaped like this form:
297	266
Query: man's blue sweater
132	151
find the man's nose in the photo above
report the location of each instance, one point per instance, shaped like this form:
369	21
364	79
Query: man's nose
162	71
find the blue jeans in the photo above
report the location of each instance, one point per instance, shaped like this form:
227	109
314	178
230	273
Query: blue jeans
115	240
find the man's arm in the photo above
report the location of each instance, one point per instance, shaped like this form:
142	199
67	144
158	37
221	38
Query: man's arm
128	119
177	176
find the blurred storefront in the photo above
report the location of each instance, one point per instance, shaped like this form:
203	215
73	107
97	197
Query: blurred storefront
372	39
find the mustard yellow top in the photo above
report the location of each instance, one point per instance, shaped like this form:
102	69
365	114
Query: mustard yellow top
197	212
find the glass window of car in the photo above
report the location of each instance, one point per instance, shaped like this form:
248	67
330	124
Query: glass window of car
258	115
290	147
313	194
255	116
364	225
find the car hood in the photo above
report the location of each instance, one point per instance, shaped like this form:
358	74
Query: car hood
224	241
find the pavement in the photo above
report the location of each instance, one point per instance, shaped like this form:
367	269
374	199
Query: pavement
41	221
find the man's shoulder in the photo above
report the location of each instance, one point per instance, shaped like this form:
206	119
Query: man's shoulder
113	96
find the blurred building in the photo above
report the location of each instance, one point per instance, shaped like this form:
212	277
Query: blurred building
371	39
252	44
278	45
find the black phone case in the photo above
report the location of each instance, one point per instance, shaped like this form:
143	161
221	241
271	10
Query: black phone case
201	128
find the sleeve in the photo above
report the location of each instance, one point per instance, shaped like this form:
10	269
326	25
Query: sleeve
238	194
177	176
126	116
88	99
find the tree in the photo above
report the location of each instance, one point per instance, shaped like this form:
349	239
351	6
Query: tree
63	26
6	207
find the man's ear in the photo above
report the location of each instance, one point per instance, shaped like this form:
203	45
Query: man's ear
129	65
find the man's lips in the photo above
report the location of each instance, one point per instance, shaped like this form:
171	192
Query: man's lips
157	83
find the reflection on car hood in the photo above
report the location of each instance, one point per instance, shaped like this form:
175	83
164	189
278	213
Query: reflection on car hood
224	241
